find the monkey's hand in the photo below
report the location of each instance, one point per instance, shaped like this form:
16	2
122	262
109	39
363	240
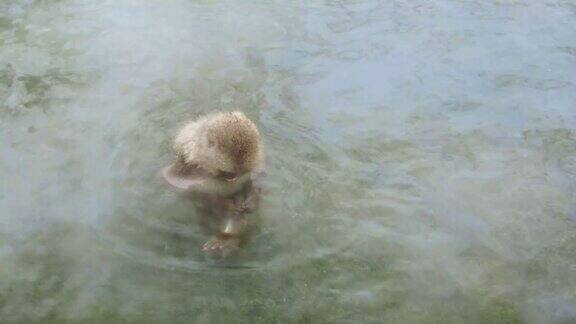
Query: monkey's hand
229	237
250	202
222	244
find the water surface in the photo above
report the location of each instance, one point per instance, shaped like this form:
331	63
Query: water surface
421	160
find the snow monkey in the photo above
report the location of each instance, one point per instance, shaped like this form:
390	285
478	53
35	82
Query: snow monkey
216	159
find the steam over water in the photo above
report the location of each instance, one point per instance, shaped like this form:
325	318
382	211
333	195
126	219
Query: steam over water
421	160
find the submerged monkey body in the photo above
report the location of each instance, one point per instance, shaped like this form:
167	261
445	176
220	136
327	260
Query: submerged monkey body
229	217
216	157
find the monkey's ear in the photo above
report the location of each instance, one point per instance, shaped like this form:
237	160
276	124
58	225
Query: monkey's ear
176	180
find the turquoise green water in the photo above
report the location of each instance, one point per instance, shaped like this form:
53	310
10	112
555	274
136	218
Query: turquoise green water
421	160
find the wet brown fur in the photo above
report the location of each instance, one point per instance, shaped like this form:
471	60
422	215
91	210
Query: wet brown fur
238	137
208	146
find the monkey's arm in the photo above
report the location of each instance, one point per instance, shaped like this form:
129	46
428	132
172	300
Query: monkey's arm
239	222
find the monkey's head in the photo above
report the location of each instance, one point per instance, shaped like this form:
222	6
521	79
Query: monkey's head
224	147
228	146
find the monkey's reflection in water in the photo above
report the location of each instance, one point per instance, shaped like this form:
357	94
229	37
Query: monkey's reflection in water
217	158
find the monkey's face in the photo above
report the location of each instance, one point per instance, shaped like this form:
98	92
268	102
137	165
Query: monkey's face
215	173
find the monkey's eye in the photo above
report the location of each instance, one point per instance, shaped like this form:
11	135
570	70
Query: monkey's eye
227	175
